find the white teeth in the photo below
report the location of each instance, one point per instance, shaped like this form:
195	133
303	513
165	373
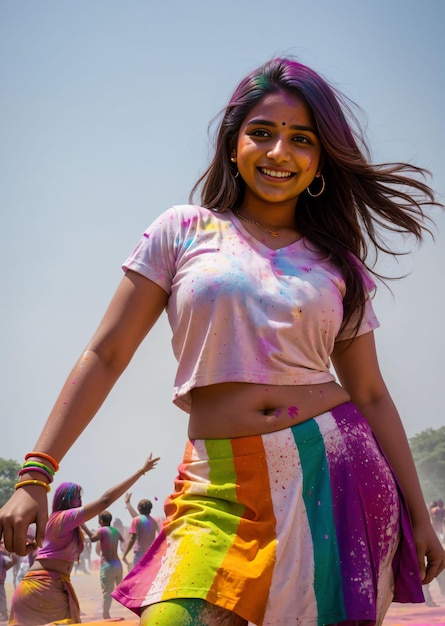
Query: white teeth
276	174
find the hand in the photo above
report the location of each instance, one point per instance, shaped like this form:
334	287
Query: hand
86	530
149	464
430	553
127	498
27	505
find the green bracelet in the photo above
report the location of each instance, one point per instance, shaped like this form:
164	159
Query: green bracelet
38	464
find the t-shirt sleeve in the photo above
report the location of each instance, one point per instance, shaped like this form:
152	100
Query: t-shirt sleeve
71	518
369	320
154	256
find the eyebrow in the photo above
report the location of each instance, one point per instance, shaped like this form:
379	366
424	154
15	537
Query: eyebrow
273	125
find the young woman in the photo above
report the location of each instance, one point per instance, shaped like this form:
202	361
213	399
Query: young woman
46	594
297	500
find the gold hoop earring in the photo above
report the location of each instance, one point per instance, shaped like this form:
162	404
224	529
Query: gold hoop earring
323	185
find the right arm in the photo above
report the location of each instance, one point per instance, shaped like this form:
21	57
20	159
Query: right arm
134	309
106	499
129	506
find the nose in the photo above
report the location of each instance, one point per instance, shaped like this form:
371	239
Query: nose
279	151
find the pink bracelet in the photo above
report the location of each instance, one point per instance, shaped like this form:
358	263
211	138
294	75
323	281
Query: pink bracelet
47	475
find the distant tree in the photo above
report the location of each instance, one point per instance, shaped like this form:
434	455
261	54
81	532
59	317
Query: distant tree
428	448
8	478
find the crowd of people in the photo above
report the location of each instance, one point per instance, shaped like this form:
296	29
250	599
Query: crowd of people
44	592
115	541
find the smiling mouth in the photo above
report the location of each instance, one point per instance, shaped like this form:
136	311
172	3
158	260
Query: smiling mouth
275	173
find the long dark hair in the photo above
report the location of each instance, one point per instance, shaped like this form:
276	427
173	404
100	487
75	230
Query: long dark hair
361	200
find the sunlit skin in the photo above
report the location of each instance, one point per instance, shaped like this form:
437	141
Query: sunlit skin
278	137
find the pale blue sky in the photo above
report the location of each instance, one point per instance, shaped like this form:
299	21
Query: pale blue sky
104	108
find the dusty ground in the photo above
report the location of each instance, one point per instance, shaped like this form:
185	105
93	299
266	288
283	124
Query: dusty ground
88	589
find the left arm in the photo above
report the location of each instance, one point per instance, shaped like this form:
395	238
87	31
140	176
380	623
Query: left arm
359	373
129	546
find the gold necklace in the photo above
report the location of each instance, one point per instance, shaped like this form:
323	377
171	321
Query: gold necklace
273	233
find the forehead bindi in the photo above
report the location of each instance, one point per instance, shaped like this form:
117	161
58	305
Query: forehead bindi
282	109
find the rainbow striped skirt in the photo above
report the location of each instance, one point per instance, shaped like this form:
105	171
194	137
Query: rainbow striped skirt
305	525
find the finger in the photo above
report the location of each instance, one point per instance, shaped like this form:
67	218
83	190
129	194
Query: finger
422	569
17	538
40	528
433	569
7	533
31	546
435	563
428	577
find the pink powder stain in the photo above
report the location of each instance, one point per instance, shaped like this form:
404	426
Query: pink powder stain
292	411
278	412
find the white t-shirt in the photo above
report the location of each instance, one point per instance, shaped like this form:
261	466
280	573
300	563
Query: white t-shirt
239	311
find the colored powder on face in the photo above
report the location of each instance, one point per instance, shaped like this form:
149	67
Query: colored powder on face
292	411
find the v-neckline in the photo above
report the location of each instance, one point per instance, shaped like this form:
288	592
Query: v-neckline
260	242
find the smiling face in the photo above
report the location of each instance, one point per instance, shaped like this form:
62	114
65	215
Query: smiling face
277	153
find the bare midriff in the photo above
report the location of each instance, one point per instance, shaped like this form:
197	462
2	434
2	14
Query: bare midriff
54	565
229	410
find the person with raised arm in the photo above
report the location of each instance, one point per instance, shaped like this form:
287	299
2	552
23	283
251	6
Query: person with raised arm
46	594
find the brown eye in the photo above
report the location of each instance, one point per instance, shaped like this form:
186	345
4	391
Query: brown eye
259	133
